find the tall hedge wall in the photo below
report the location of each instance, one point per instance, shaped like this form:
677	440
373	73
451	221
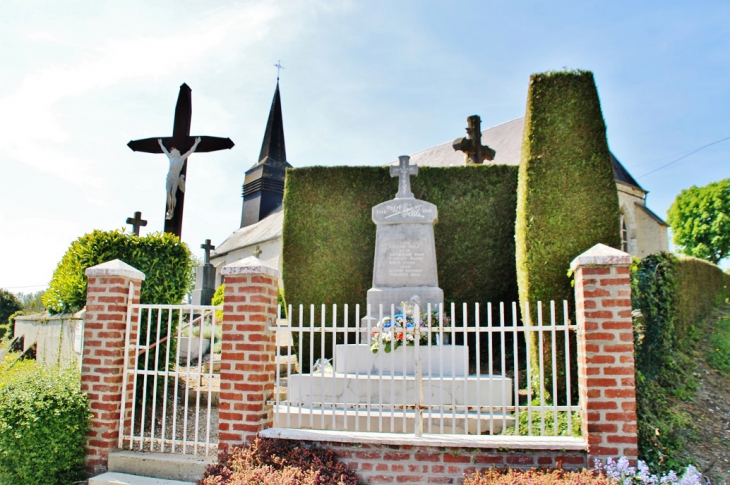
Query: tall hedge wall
567	200
329	236
700	285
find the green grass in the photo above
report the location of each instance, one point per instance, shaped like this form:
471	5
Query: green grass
718	353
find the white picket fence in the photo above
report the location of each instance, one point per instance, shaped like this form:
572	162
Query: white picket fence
465	371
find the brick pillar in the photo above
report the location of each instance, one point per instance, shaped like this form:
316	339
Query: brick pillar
111	287
247	359
606	352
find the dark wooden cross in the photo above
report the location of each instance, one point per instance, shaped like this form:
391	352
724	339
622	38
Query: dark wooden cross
136	222
471	144
181	140
404	171
208	248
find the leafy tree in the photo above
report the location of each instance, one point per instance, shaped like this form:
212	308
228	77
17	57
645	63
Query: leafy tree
32	302
9	304
700	220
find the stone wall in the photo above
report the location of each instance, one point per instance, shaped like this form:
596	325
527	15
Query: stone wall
59	338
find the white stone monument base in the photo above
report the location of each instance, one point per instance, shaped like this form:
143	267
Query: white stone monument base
394	296
392	421
437	360
308	389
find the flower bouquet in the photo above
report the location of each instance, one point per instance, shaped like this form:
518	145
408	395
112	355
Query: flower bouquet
400	329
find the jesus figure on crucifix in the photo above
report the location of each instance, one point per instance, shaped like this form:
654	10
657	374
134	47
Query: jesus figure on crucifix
174	179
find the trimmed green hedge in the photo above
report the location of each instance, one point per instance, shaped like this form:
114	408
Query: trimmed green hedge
567	200
700	286
162	257
672	295
44	419
329	236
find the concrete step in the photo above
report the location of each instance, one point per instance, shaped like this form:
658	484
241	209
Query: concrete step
167	466
115	478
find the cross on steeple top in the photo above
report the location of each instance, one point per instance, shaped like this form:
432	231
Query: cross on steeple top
136	222
278	67
404	171
208	248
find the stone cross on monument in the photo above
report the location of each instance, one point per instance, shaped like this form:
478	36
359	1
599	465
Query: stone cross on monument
174	146
136	222
471	144
404	171
208	247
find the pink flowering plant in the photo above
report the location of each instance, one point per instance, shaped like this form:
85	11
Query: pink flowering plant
622	473
402	328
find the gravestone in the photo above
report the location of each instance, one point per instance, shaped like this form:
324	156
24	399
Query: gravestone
204	278
405	251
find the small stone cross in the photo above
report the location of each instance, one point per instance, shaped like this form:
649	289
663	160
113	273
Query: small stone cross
136	222
471	144
404	171
257	252
208	248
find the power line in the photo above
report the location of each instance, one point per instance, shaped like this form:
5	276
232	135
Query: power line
27	286
685	156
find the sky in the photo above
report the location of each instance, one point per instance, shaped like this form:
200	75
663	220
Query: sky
363	82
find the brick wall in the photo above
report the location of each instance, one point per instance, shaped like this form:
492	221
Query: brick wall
606	352
107	295
424	465
248	348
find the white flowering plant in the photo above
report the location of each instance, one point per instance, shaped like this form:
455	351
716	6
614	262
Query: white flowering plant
400	329
624	474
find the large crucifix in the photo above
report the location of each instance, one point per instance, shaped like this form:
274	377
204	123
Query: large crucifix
178	148
471	144
403	171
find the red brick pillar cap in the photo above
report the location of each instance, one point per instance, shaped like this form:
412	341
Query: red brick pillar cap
601	255
115	267
250	265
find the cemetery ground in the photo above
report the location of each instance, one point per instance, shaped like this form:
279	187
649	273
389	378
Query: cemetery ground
706	413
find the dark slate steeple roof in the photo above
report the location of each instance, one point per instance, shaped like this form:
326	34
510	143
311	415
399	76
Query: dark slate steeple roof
623	175
263	186
273	145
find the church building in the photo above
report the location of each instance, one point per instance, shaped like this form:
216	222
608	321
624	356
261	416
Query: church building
262	219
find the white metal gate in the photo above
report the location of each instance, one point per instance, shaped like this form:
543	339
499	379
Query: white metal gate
174	404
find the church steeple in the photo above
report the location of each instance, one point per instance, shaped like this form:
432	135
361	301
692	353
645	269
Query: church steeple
263	186
273	144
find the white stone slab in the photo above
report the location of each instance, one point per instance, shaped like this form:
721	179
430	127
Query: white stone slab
398	422
437	360
430	439
306	389
405	255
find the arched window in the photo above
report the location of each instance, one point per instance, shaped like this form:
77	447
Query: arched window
624	235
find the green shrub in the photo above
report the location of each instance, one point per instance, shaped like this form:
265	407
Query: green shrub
44	418
9	305
566	197
718	352
278	462
162	257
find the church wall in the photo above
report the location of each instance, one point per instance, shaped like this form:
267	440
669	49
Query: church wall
653	236
627	202
270	254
